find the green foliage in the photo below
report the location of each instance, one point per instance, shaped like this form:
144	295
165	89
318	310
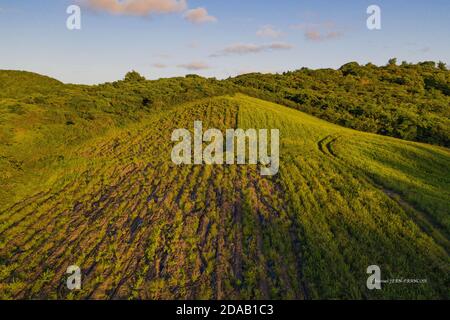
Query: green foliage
86	178
442	66
410	101
19	84
133	76
392	62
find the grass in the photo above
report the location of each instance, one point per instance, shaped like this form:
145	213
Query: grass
111	201
345	221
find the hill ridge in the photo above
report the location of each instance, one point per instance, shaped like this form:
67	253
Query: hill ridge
141	227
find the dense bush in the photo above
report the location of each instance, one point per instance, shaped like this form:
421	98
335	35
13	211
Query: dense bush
410	101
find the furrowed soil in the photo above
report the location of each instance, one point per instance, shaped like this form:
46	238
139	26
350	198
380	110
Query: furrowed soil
141	227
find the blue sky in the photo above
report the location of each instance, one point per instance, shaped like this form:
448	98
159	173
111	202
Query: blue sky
235	37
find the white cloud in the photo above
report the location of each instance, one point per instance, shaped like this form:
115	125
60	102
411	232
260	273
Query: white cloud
144	8
280	46
136	7
243	48
315	35
194	66
199	15
159	65
319	31
268	32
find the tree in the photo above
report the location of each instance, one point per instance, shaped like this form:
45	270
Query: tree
350	68
134	76
392	62
405	63
442	66
427	64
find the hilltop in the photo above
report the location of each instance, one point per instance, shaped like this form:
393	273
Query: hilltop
406	101
87	179
18	84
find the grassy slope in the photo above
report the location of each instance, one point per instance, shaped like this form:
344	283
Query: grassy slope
410	101
28	83
141	227
41	119
347	223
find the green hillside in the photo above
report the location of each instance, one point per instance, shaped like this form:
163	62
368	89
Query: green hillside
19	84
87	179
407	101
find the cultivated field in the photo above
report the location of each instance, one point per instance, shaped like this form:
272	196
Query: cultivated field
114	204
